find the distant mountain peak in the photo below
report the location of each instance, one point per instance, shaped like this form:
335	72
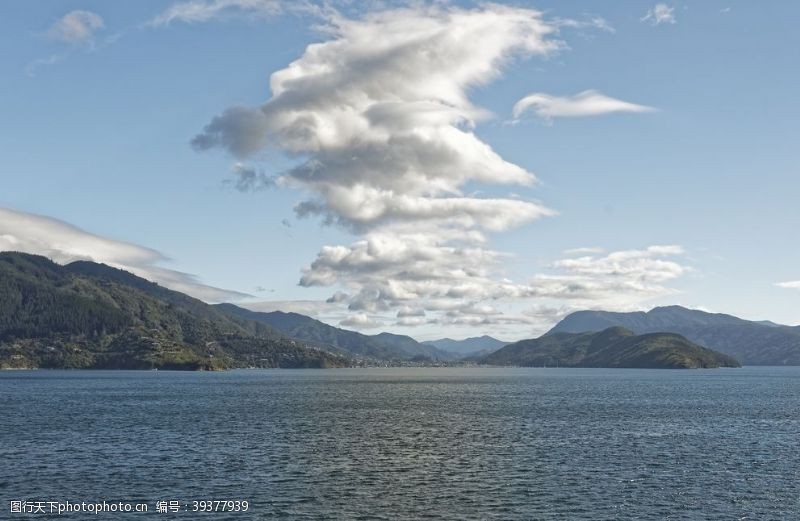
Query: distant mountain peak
469	346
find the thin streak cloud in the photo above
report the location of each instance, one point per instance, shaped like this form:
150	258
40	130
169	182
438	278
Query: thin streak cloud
583	104
65	243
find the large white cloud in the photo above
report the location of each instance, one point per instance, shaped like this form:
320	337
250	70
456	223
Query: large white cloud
380	116
381	113
64	243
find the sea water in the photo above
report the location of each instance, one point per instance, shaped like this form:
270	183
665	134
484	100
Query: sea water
406	443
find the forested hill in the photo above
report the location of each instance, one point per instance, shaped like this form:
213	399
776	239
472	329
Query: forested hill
752	343
613	347
89	315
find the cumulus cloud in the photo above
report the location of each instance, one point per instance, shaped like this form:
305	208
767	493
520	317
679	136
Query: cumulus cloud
586	103
390	284
337	297
64	243
360	321
380	120
391	272
660	14
413	321
408	311
76	27
792	284
381	111
197	11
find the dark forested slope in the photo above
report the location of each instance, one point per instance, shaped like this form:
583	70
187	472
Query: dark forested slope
95	316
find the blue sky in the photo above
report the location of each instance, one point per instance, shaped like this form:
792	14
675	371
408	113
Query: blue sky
99	114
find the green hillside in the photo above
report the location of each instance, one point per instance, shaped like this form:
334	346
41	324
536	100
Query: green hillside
88	315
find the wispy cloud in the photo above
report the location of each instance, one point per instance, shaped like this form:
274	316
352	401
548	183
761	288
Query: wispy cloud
64	243
586	103
582	251
76	27
32	68
791	284
198	11
246	178
660	14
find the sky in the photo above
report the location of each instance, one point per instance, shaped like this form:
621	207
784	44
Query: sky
428	168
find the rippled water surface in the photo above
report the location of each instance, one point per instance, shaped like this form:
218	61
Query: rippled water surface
410	443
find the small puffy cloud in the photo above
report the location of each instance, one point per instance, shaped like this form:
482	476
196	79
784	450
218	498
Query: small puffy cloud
792	284
586	103
198	11
360	321
408	311
337	297
413	321
64	243
76	27
660	14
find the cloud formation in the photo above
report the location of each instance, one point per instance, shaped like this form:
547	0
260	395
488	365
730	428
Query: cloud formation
360	321
76	27
245	178
586	103
791	284
64	243
381	113
198	11
380	116
660	14
388	272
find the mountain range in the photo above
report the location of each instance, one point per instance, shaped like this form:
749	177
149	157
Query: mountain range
752	343
612	347
86	314
469	346
384	346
